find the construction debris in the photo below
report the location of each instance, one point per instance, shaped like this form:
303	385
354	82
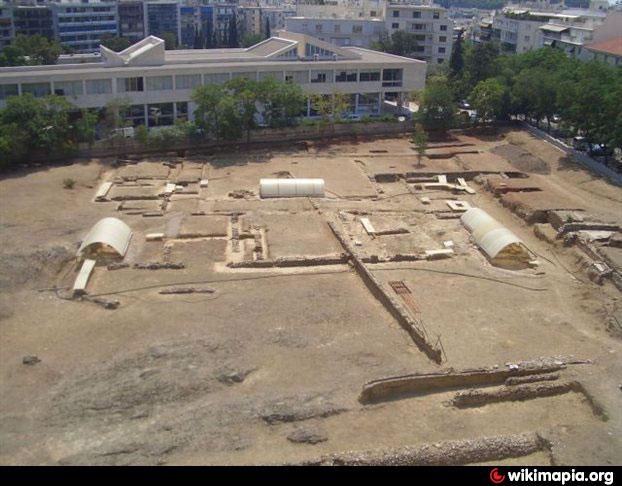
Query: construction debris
186	290
159	266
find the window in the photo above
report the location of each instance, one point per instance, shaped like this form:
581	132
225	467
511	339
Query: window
68	88
36	89
135	114
98	86
159	83
395	26
369	76
443	27
182	110
318	27
435	15
416	15
126	85
369	103
440	60
420	38
278	75
216	78
160	114
251	76
187	81
442	38
345	77
357	29
391	77
7	90
321	76
337	28
298	77
396	13
441	50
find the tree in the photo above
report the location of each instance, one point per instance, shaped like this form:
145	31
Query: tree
233	32
487	98
251	39
115	113
244	92
420	139
280	102
115	43
437	107
30	50
85	126
400	43
206	98
41	125
456	61
480	63
268	30
330	108
170	41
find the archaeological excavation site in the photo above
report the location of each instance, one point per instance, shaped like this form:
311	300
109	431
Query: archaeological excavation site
343	302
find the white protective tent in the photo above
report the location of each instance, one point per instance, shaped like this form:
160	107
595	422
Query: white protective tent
502	247
106	236
291	188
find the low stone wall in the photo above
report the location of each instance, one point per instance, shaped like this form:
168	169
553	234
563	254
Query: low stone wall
257	138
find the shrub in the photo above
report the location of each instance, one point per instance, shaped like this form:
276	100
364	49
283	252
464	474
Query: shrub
69	183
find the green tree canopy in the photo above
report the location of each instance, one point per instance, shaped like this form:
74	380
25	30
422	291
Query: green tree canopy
30	50
115	43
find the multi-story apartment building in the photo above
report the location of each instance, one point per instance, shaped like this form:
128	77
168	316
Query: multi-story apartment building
80	24
224	14
197	25
519	30
154	80
430	24
341	32
132	19
340	9
572	30
6	25
33	20
163	17
277	16
250	20
609	51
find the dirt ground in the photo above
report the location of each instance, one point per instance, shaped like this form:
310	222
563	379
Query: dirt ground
264	364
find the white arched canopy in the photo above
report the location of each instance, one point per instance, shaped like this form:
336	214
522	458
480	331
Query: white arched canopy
110	233
501	246
291	188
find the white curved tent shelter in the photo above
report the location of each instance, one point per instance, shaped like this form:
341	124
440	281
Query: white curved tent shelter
502	247
109	235
291	188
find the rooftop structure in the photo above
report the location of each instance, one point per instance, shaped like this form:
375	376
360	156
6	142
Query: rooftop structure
151	77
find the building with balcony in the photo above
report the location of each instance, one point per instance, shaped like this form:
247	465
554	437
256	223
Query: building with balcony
153	79
33	20
341	32
6	25
80	24
197	26
430	24
132	19
163	17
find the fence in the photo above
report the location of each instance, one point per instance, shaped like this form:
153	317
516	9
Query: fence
111	148
582	158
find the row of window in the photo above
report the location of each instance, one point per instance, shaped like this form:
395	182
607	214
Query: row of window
420	27
416	14
390	77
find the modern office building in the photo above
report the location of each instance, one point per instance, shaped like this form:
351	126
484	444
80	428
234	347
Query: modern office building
163	17
430	24
33	20
250	20
6	25
197	25
224	14
80	24
155	80
132	19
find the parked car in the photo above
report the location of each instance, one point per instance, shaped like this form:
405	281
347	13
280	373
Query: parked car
556	118
464	105
600	150
352	117
579	143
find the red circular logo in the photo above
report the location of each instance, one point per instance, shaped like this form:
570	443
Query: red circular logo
496	477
